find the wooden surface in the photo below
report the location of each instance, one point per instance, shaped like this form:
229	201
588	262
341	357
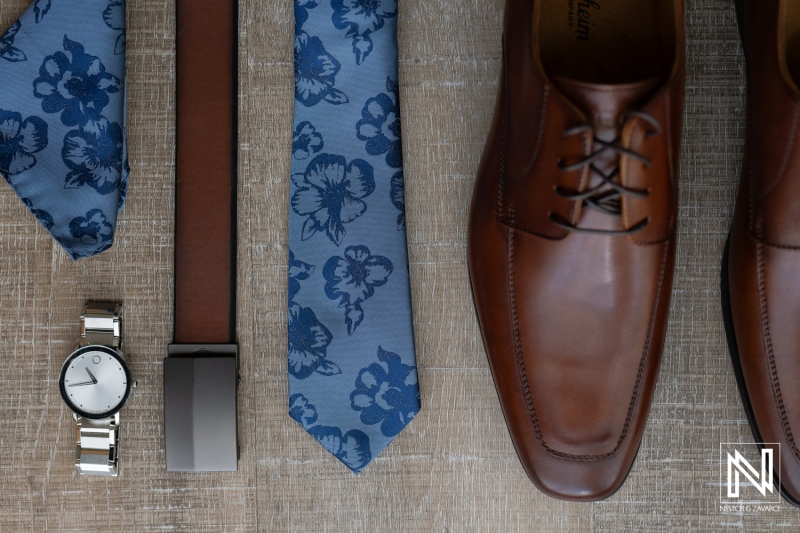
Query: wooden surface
454	469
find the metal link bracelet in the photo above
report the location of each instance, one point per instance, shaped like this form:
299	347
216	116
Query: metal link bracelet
97	441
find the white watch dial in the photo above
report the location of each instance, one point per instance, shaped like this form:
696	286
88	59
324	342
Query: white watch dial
95	382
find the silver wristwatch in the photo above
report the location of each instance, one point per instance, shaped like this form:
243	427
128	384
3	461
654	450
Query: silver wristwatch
95	384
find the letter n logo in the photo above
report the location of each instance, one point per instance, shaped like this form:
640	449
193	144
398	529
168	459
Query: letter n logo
738	465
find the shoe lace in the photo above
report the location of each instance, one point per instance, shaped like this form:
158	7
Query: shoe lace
606	196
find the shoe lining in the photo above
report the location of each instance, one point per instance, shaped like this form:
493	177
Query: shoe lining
602	41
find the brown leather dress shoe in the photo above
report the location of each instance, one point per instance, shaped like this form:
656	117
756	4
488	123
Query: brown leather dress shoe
572	231
761	269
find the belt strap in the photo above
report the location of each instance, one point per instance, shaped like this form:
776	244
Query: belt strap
205	189
201	371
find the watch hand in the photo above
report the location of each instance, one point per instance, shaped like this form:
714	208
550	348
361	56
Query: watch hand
94	379
84	384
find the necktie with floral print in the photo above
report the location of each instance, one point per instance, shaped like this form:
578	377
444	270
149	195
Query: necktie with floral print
352	370
62	118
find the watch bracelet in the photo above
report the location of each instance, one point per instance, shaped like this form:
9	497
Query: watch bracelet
97	446
97	441
101	324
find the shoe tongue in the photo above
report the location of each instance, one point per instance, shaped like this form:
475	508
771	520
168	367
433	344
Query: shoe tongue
603	103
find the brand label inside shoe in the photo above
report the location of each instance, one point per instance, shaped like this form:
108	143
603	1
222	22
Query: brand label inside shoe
579	17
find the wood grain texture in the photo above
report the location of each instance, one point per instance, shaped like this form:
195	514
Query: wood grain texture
454	469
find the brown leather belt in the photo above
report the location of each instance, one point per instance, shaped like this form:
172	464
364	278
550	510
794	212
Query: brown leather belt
200	374
205	189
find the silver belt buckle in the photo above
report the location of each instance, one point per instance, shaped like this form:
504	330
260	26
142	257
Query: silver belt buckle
200	425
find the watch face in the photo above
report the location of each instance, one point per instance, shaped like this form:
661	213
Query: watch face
95	382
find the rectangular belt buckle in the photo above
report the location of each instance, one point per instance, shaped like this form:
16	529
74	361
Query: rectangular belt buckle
200	425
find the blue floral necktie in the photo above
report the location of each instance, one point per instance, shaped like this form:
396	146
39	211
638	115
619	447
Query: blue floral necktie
352	372
62	118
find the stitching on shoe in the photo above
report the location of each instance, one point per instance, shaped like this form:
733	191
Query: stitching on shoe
671	225
543	112
673	174
673	179
751	184
503	140
787	152
773	368
776	245
509	220
588	142
524	375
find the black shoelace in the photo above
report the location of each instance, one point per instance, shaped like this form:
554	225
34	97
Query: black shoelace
606	196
